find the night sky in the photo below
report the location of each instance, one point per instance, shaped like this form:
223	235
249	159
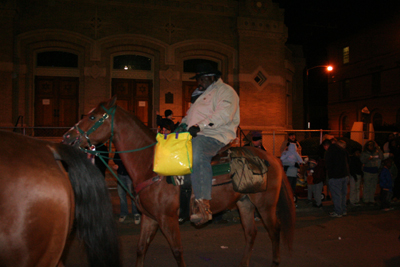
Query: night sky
316	23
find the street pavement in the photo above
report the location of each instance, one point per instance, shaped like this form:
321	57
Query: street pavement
367	236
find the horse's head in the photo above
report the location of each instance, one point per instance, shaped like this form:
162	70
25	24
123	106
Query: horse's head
94	128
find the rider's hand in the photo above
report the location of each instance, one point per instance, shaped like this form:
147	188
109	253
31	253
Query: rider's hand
194	130
181	128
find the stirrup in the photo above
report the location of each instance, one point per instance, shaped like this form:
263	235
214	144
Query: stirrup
201	213
198	217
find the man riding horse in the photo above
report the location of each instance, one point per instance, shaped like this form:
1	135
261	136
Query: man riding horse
212	120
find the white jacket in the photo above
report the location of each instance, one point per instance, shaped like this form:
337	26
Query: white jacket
218	105
289	158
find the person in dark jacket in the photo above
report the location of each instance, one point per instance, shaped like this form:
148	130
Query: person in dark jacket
371	157
256	141
386	184
337	166
98	162
167	123
124	178
394	150
356	173
315	178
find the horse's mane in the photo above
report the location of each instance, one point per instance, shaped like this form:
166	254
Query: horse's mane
132	117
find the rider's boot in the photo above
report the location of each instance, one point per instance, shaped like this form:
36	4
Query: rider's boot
201	212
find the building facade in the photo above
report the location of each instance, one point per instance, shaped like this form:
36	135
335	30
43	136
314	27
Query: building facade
365	84
60	58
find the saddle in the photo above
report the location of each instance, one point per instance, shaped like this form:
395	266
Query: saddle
248	174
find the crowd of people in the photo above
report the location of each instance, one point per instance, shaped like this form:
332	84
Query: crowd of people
363	173
351	175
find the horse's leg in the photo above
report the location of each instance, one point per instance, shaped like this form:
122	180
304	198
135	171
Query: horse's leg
246	210
170	228
267	211
148	230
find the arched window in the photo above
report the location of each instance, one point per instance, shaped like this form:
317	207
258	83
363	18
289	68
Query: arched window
377	120
190	64
56	59
131	62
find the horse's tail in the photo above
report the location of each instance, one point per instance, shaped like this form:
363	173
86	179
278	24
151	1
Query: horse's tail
287	212
93	210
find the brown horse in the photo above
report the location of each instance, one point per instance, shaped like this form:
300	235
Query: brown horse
159	201
45	189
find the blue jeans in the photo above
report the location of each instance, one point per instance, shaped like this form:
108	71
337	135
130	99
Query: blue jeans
204	148
338	188
316	190
293	183
355	189
126	180
370	184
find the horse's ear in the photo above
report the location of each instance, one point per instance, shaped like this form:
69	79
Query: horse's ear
112	101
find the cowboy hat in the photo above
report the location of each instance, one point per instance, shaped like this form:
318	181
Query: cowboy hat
205	69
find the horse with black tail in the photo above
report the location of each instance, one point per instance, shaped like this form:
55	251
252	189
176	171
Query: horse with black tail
46	189
158	200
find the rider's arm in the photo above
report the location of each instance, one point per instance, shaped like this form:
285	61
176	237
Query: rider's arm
226	104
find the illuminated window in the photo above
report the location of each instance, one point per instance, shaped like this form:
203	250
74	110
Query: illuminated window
131	62
346	55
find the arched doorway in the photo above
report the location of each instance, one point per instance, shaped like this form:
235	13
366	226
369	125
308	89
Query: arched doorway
56	92
129	83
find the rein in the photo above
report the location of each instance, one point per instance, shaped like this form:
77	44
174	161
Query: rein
97	124
139	187
92	150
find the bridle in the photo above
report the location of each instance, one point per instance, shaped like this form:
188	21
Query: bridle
92	150
97	124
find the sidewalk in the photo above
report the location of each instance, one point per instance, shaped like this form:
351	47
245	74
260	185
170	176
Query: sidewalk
306	209
327	206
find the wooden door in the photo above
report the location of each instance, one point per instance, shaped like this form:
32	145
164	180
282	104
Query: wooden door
135	96
56	104
188	89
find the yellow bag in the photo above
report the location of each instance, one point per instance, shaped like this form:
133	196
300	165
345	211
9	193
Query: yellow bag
173	154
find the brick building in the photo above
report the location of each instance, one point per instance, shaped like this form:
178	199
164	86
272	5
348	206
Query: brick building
59	58
365	84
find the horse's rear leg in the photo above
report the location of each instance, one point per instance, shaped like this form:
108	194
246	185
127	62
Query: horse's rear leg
268	215
170	228
148	230
246	210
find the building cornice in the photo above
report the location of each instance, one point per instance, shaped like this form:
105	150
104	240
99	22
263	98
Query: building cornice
262	28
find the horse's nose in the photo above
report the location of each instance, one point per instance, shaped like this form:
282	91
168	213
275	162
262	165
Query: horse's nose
65	138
